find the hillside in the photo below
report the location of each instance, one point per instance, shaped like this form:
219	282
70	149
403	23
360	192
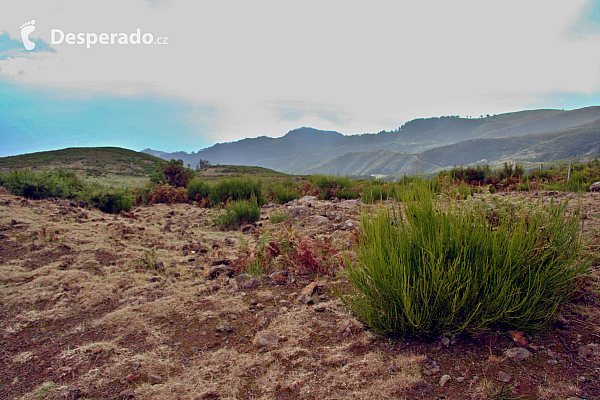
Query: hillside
108	164
537	147
304	149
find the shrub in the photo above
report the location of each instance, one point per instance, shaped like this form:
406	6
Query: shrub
197	189
162	193
172	173
277	217
36	185
238	213
443	266
284	193
106	199
242	188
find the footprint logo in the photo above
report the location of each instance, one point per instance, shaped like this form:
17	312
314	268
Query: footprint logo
26	29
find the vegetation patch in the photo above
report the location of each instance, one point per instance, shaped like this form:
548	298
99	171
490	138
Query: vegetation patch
441	266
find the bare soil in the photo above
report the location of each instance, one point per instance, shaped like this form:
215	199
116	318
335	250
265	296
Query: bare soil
97	306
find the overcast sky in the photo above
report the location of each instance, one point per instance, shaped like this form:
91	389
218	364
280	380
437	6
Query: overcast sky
235	69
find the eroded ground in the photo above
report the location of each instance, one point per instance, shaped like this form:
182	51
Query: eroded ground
97	306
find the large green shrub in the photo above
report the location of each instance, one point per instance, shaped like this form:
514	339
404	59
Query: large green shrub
439	265
34	185
241	188
198	189
238	213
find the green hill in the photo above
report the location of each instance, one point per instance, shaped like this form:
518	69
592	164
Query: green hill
111	165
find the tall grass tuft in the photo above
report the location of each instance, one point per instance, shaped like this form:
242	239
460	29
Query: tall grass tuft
439	265
238	213
242	188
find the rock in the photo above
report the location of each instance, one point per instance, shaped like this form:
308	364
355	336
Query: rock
266	339
518	354
309	289
595	187
335	216
306	299
357	347
224	327
460	379
444	379
590	352
320	309
562	323
218	270
307	200
519	338
298	211
430	367
125	214
220	261
504	377
126	394
319	220
350	224
278	278
247	282
156	378
349	203
263	319
68	393
210	395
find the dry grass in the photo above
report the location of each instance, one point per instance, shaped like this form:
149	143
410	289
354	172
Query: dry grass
86	304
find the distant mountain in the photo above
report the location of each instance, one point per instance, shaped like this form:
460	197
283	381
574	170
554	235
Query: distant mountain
308	150
537	147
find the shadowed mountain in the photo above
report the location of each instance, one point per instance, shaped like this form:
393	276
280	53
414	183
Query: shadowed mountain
307	149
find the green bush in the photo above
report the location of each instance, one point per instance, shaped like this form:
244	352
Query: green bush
173	173
284	193
39	185
197	189
238	213
440	265
242	188
106	199
277	217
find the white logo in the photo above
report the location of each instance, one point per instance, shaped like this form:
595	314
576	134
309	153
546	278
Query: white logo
26	29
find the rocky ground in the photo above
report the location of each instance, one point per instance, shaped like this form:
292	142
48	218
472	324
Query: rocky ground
152	305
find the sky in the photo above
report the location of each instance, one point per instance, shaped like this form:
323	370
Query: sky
220	71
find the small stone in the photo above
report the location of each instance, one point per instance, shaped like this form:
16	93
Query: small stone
582	379
247	282
224	327
309	289
444	379
562	323
319	309
156	378
518	354
218	270
460	379
590	352
319	220
445	341
266	339
519	338
304	298
126	394
504	377
68	393
350	224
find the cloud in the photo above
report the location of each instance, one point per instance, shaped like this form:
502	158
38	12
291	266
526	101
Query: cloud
269	66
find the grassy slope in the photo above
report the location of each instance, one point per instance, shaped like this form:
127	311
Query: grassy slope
112	165
540	147
548	146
